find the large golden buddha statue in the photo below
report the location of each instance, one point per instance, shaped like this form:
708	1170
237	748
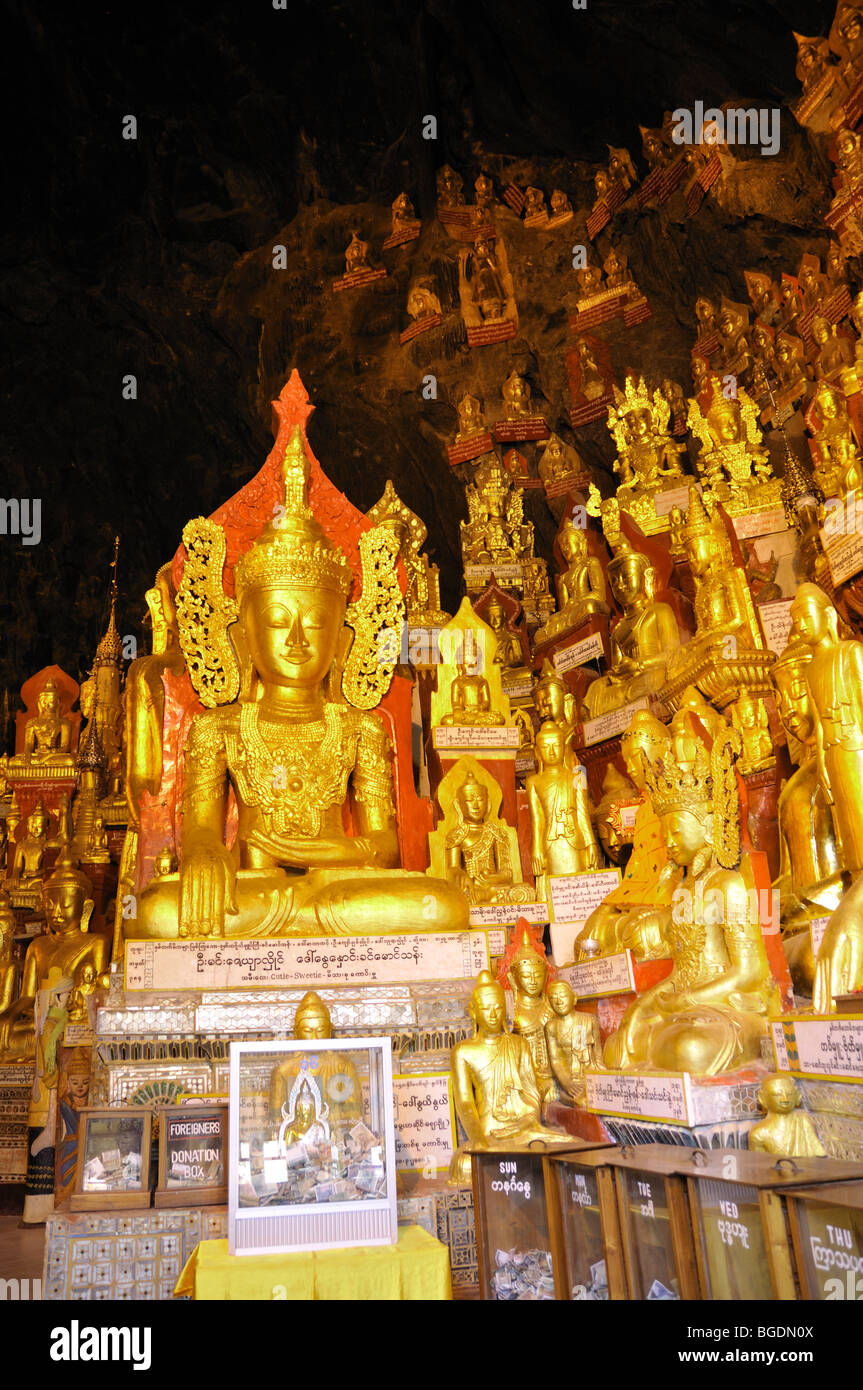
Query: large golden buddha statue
290	747
48	734
710	1014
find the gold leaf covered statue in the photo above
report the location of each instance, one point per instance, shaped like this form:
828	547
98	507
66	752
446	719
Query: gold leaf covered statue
786	1130
558	461
733	460
644	639
28	857
312	1023
710	1014
516	396
66	946
562	836
581	587
47	734
527	976
290	751
422	596
648	459
494	1084
8	967
837	464
573	1041
749	718
469	690
472	847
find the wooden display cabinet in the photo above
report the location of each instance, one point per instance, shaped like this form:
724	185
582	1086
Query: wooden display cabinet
113	1169
515	1220
655	1230
193	1156
738	1205
585	1228
827	1235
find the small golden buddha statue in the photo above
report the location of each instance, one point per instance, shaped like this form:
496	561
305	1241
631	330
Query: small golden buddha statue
710	1014
621	169
789	359
810	280
553	701
654	148
483	189
581	587
494	1083
835	269
749	718
558	461
790	304
763	351
66	946
733	458
8	968
450	189
334	1072
763	295
404	215
145	695
28	858
86	984
616	270
356	255
508	652
534	203
786	1131
601	186
592	383
562	837
470	700
636	915
589	280
833	354
573	1042
644	639
707	315
48	733
813	61
495	529
471	421
849	160
481	850
422	303
561	207
516	396
527	976
303	1118
836	459
485	282
289	751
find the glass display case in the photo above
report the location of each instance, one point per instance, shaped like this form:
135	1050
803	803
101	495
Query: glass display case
514	1223
193	1147
113	1169
827	1234
585	1233
742	1238
312	1145
656	1235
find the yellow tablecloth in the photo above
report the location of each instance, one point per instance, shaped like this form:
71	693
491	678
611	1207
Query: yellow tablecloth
416	1268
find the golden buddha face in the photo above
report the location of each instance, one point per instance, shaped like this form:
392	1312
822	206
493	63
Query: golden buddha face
561	998
549	700
473	800
37	824
779	1094
626	577
312	1025
488	1008
48	702
559	201
809	618
530	975
684	836
820	331
792	700
600	183
549	745
495	616
573	544
788	294
846	149
761	340
293	632
640	424
704	312
724	424
402	206
828	406
63	902
835	261
88	974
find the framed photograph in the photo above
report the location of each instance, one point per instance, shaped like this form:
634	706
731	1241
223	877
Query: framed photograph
311	1146
193	1156
113	1159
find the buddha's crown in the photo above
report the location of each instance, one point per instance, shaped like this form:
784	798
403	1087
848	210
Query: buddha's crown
293	548
675	788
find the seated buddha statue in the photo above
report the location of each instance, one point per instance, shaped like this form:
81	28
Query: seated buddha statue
732	455
809	882
581	586
290	751
496	1094
507	653
302	1120
749	718
516	396
8	968
833	354
710	1014
356	255
470	418
334	1073
28	857
648	459
637	914
48	733
558	461
66	947
837	464
643	640
470	698
481	850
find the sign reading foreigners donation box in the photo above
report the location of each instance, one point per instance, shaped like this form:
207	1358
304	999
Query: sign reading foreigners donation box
665	1096
305	962
828	1047
424	1122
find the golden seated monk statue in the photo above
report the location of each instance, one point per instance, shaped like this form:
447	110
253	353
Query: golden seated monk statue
470	697
494	1083
710	1014
508	653
48	734
289	748
581	586
67	946
648	459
